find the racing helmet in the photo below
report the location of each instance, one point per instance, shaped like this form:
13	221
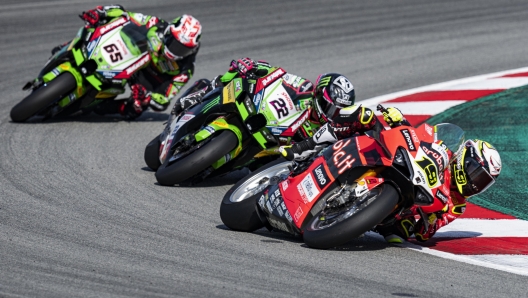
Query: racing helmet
333	92
182	37
476	166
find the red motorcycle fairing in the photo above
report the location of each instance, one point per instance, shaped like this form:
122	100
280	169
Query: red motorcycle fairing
287	204
301	192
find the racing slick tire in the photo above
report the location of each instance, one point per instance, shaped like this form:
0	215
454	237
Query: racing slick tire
174	172
151	154
377	207
41	98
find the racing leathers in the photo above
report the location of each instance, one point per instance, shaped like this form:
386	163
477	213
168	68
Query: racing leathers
158	81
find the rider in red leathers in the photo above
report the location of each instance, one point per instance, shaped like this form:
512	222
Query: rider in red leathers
469	171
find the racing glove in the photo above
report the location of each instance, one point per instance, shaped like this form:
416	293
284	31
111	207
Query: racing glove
246	67
287	152
137	103
94	16
188	101
393	117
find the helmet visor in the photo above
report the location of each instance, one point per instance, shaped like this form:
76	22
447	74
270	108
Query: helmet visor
175	50
478	179
327	109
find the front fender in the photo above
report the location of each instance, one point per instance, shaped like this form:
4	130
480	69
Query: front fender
215	126
67	67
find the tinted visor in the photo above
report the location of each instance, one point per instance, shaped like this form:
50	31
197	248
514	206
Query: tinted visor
175	50
478	179
328	109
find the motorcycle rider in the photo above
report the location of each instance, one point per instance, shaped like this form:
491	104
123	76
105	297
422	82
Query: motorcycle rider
469	171
299	89
173	47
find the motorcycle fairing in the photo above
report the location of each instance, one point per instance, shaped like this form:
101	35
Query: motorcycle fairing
301	192
277	215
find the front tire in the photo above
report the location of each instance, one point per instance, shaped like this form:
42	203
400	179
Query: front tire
41	98
179	171
238	208
319	232
151	155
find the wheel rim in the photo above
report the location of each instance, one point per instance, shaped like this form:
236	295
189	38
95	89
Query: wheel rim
321	222
259	182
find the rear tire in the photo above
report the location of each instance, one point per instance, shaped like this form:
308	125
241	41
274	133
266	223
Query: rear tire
179	171
151	155
41	98
240	214
358	223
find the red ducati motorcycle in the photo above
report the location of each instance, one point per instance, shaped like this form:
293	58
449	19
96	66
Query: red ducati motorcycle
348	188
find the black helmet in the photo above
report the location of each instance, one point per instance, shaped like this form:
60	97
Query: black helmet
182	37
476	166
333	92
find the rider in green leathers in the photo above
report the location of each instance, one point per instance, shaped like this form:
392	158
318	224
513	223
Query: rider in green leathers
172	46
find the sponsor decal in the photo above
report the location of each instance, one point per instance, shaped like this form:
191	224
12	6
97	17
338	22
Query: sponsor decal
257	98
269	206
320	132
321	177
306	87
209	129
344	83
108	74
299	121
298	214
132	68
272	77
285	184
429	129
341	160
56	72
307	189
238	87
414	136
181	78
442	196
408	139
113	25
287	215
297	82
437	156
92	44
276	130
186	117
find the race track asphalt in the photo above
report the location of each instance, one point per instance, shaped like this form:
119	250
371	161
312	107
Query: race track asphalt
81	216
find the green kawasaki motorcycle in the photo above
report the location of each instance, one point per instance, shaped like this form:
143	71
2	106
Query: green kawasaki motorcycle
239	125
94	67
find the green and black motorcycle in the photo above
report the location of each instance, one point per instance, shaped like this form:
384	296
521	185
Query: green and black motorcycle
95	66
239	125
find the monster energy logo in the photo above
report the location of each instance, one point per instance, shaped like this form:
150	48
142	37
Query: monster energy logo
211	104
324	82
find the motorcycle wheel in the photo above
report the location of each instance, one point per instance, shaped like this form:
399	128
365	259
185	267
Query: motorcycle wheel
179	171
151	155
238	208
41	98
334	229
